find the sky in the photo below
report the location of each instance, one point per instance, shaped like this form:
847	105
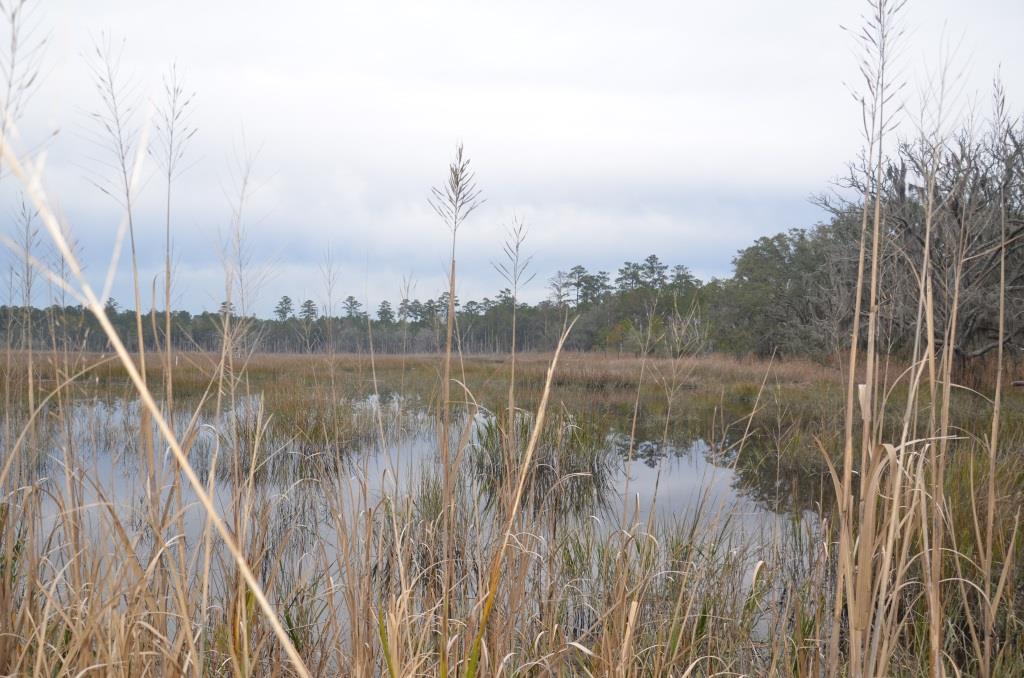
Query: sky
613	129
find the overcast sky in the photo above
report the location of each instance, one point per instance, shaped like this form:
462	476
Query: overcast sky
616	129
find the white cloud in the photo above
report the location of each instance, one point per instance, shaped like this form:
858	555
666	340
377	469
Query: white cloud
618	129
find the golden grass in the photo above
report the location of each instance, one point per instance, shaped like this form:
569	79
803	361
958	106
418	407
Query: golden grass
274	524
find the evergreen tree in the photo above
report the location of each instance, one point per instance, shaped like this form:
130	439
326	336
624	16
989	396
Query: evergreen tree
385	314
653	273
404	310
682	280
577	281
630	277
284	309
353	307
595	288
308	311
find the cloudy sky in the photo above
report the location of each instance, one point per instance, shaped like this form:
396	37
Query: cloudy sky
614	129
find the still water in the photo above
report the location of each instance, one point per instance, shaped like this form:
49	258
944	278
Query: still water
598	475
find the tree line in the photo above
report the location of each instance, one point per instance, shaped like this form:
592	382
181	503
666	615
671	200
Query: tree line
790	294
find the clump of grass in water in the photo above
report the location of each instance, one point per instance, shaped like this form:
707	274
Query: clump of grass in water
574	467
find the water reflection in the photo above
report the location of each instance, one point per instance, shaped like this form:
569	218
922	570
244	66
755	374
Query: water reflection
389	446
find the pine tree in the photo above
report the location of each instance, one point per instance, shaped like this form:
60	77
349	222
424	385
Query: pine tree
353	307
385	314
284	309
308	311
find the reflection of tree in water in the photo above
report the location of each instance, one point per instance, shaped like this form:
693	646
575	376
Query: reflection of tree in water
793	481
650	452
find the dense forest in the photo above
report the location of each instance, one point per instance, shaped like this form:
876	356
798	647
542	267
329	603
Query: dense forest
791	294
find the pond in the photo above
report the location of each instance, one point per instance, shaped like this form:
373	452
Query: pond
388	448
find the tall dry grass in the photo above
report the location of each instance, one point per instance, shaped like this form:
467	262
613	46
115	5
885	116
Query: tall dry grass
365	561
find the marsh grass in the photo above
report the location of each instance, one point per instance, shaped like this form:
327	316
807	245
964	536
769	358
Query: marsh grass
405	515
356	578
